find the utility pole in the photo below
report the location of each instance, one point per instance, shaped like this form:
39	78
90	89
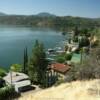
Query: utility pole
11	76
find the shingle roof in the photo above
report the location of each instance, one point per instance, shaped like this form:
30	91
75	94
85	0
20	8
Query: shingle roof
61	68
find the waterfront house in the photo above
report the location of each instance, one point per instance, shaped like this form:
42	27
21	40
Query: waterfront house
19	80
59	70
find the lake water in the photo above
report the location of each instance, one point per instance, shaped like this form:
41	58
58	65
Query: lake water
13	40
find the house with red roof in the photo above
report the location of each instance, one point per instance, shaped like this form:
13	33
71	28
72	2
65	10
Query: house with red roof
60	70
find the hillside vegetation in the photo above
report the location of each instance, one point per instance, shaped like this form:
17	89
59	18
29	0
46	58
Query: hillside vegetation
49	21
86	86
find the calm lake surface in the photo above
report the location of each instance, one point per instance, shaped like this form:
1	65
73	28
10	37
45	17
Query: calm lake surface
13	40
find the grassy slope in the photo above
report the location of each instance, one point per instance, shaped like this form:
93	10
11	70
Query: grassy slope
84	90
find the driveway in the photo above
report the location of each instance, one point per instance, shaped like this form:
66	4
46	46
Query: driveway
26	93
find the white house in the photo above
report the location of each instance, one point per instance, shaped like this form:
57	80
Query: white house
18	80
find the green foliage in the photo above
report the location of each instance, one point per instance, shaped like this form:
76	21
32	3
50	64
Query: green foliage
97	32
66	47
63	57
16	68
25	65
75	39
7	93
76	31
86	32
68	56
84	42
32	73
61	23
60	59
2	72
38	64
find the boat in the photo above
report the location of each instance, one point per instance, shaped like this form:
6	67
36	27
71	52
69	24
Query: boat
63	33
50	51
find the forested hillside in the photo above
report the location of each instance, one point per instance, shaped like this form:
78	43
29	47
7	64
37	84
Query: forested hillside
49	21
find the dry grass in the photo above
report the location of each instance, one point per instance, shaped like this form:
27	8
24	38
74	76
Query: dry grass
85	90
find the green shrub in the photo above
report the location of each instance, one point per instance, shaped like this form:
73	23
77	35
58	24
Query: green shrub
8	93
84	42
60	59
16	68
68	56
2	72
75	39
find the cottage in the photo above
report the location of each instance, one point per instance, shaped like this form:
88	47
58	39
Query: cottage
19	80
60	70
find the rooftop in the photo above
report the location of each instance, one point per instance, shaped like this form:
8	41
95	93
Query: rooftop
16	77
61	68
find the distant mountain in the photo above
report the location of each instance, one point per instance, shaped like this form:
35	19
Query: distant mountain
2	14
48	20
45	14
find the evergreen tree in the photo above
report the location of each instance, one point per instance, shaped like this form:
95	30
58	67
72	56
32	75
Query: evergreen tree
25	61
38	64
76	31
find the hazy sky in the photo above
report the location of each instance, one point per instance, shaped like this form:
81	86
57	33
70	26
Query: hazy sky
84	8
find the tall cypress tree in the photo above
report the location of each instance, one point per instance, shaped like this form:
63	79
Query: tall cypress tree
25	65
38	64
